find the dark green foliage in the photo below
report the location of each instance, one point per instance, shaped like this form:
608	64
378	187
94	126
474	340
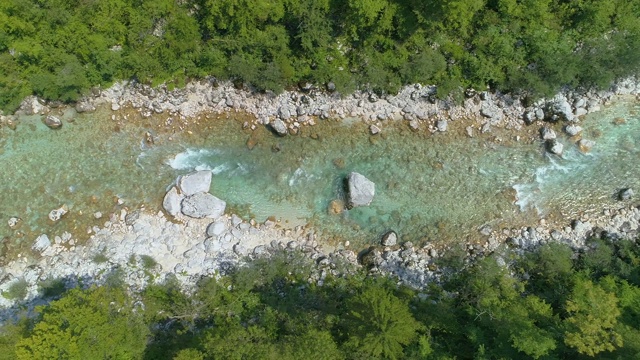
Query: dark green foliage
59	49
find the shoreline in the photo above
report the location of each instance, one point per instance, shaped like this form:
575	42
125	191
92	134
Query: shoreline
123	236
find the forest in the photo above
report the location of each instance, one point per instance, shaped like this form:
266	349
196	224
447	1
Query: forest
60	49
551	303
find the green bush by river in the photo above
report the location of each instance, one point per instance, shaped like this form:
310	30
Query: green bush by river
58	49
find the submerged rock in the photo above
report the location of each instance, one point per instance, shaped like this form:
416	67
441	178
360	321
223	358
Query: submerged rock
554	147
41	243
336	207
573	130
195	182
361	190
56	214
52	122
390	238
279	127
203	205
442	125
625	194
585	145
172	201
85	106
546	133
13	222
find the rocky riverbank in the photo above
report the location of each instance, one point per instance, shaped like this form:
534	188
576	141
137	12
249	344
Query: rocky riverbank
290	110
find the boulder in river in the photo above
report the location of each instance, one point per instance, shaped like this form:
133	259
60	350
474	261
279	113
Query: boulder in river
585	145
361	190
52	122
172	201
390	238
41	243
56	214
279	127
442	125
85	106
572	130
554	146
625	194
195	182
547	133
203	205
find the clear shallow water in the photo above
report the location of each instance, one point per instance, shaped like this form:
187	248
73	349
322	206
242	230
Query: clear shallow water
428	187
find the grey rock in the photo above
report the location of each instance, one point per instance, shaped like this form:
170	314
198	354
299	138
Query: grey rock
56	214
390	238
490	110
547	133
486	230
13	222
284	113
115	106
203	205
31	105
529	117
279	127
554	147
216	228
195	182
562	108
361	190
585	145
172	202
573	130
331	86
414	125
581	111
625	194
442	125
52	122
239	249
235	220
374	130
260	250
132	217
41	244
469	131
85	106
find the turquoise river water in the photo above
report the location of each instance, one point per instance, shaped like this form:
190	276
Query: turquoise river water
428	187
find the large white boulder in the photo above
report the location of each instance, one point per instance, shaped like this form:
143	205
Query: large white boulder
361	190
172	201
195	182
203	205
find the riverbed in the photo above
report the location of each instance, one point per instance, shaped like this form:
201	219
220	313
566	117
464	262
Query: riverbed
438	187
